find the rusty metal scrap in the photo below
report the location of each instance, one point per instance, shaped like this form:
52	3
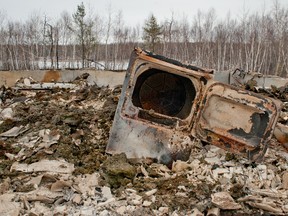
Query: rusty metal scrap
165	104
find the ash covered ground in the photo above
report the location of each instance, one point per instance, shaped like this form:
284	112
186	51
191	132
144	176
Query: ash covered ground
53	162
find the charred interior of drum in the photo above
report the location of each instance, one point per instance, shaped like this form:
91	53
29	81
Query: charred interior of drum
164	93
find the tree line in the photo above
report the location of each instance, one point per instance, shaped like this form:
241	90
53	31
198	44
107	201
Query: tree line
253	42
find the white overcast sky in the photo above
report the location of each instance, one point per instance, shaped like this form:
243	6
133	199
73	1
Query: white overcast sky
135	11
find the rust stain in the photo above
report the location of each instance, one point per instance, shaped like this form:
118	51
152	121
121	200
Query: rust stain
51	76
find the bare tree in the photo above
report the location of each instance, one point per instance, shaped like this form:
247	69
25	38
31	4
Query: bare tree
66	38
107	35
33	40
2	37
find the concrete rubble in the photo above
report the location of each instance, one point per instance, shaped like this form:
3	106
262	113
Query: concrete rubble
53	162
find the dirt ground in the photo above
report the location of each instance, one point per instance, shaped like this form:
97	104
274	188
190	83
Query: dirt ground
53	162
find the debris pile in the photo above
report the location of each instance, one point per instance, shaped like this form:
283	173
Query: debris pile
53	162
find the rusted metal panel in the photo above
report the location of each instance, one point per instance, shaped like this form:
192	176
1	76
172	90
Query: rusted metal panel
240	77
262	81
146	124
236	120
165	105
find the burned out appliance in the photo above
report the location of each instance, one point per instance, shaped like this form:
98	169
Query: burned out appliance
165	104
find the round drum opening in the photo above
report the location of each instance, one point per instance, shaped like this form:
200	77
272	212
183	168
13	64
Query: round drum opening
164	93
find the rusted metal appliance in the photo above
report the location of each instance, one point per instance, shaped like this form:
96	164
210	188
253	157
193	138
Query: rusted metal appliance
165	104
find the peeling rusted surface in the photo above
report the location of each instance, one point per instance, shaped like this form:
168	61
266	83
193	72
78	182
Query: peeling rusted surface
236	120
165	104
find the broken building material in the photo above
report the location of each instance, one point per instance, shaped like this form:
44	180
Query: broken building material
223	200
44	166
156	189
